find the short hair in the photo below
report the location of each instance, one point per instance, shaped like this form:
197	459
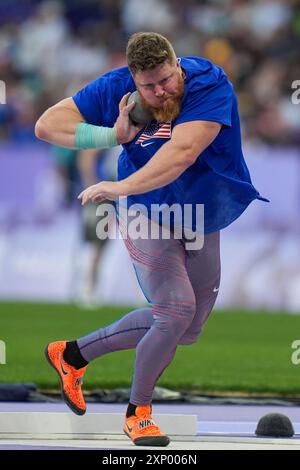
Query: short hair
145	51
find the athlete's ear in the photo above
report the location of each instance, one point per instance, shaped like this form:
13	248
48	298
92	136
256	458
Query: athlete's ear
178	66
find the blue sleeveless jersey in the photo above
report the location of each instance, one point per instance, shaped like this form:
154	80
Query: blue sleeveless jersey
219	178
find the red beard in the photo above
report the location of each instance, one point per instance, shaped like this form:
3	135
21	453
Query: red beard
170	109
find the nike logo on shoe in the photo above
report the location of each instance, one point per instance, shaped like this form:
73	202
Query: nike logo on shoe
216	289
129	429
78	382
145	423
62	369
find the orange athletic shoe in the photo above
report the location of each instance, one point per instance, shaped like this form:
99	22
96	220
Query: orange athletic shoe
142	430
70	378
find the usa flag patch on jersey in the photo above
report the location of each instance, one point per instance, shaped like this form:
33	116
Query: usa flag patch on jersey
156	130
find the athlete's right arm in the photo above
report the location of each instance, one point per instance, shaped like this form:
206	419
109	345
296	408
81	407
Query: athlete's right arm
58	124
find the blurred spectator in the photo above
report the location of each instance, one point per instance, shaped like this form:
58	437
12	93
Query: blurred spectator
40	39
154	15
66	164
46	46
78	170
94	166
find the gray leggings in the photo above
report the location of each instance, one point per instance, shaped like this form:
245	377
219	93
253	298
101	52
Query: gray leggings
181	287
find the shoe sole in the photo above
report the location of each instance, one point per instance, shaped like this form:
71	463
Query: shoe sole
155	441
71	405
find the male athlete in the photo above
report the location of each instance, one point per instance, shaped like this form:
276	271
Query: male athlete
189	154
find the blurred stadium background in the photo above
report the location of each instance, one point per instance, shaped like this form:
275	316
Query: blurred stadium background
50	49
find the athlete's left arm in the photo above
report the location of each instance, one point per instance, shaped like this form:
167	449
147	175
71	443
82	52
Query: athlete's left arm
188	141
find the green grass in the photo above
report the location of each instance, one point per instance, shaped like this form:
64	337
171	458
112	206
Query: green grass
238	351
